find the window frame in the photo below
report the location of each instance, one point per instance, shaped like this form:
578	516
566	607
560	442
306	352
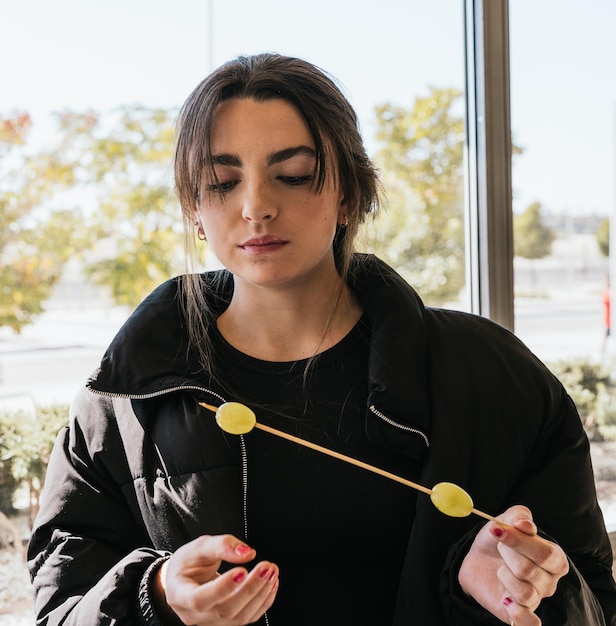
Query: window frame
488	189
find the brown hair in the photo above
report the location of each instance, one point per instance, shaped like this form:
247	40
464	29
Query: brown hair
331	121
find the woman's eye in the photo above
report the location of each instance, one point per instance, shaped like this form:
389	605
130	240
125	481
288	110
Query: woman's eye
223	186
296	181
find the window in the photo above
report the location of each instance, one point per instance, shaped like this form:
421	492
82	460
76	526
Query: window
563	120
406	55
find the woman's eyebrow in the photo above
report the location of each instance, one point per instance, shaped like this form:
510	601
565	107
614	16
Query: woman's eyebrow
226	159
234	160
289	153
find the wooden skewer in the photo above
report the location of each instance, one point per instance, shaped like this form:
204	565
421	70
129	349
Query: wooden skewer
352	461
490	517
343	457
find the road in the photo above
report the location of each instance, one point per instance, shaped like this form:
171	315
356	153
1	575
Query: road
563	329
53	357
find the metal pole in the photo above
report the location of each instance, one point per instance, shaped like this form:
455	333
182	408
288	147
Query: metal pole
612	243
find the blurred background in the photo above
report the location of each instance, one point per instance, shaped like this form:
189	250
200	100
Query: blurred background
89	223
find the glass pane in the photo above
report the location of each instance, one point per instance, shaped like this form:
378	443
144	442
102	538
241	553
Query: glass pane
121	67
563	117
402	66
404	58
563	105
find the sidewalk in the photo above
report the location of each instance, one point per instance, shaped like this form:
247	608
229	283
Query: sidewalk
52	358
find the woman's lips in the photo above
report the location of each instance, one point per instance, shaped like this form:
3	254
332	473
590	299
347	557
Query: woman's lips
260	245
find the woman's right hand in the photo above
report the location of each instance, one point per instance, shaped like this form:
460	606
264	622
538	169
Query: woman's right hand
189	586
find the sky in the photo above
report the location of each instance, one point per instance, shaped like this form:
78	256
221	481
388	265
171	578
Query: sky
70	54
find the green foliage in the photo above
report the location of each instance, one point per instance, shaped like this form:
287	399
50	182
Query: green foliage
593	391
102	190
36	236
8	486
421	232
531	238
124	160
26	440
31	263
603	237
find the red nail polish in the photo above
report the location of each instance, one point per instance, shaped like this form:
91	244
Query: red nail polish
264	572
497	531
507	601
242	549
239	577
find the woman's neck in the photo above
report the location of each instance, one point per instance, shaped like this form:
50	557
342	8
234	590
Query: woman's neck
288	325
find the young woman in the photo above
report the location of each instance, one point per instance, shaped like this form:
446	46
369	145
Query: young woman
152	514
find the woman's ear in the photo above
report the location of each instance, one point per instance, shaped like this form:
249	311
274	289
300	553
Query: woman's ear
197	221
343	214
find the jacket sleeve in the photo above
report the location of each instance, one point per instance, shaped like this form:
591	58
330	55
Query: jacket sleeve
88	554
573	604
521	441
558	487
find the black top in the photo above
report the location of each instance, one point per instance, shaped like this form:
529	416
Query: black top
319	518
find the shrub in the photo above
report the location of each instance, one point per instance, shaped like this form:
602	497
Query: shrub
8	485
26	440
591	387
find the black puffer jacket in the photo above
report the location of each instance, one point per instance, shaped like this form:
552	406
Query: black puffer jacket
139	471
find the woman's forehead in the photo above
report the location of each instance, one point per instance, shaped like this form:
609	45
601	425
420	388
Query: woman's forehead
245	122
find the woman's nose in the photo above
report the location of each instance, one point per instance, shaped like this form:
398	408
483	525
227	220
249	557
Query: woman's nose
258	205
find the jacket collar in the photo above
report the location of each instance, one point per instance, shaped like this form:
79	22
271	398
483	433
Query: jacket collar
398	401
151	353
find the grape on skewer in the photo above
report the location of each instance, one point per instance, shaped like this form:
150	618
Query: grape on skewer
237	419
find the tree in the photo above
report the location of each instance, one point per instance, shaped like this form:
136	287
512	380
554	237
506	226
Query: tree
421	230
531	238
603	237
128	164
102	190
36	236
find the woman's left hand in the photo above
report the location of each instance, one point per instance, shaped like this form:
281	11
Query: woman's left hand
510	569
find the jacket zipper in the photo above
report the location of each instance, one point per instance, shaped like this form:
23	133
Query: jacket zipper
244	455
154	394
162	392
399	426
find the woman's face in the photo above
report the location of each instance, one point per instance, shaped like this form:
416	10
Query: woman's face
263	219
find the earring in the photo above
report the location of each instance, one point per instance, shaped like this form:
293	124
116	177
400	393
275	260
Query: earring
345	223
200	233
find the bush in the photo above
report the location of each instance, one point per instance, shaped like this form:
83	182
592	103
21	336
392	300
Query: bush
8	486
593	390
26	440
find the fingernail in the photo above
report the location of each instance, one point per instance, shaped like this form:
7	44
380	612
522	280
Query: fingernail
507	601
242	549
497	531
264	572
239	577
